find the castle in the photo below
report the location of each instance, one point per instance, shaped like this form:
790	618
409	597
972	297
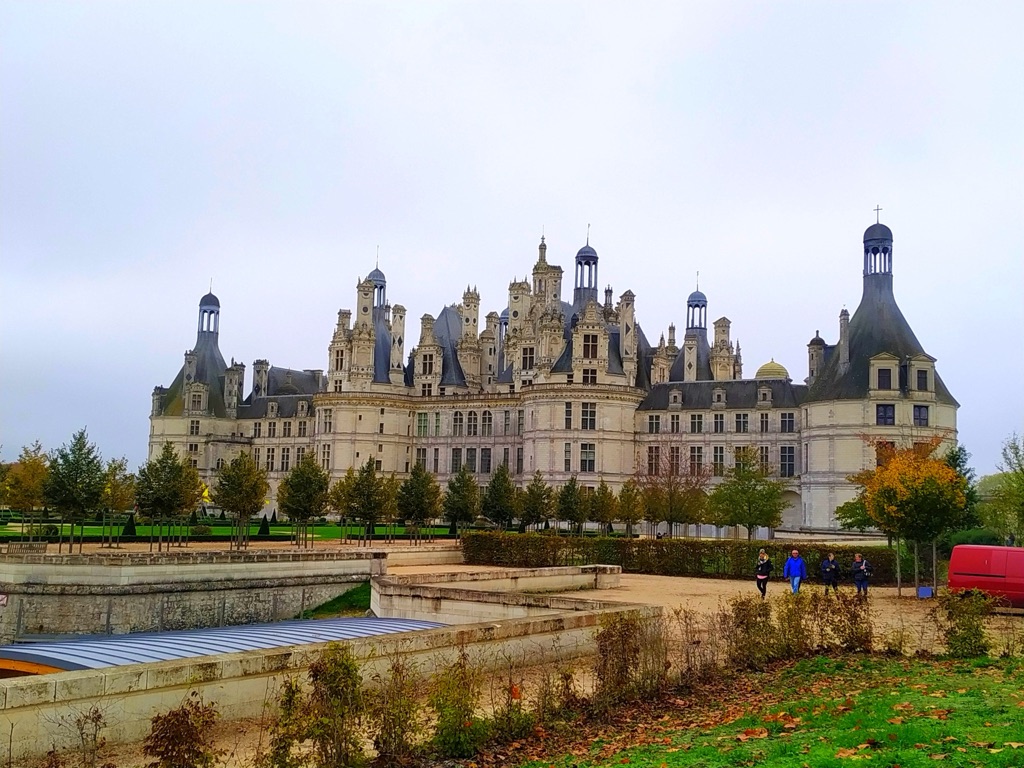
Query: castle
568	389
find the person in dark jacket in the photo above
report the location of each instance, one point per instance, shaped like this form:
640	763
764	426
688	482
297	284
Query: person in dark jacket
795	570
762	571
861	572
830	573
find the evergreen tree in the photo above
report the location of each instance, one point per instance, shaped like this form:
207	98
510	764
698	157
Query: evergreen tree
499	501
167	487
303	495
461	499
193	519
264	527
572	506
273	518
749	496
419	497
75	482
360	496
958	459
129	526
537	502
241	489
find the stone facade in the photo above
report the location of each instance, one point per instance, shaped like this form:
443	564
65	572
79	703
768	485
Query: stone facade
568	389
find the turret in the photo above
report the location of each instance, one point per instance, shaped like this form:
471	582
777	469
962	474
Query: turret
586	276
844	340
234	377
397	373
627	335
158	401
815	357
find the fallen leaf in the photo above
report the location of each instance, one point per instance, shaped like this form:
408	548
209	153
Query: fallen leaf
753	733
895	720
938	757
1013	744
906	706
846	753
995	751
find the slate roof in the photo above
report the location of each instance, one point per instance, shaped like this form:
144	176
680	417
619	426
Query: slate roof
699	395
381	347
448	331
678	369
877	326
210	368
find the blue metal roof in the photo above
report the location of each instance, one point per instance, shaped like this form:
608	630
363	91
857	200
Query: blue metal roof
95	652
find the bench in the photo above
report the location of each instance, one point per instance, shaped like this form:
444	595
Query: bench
25	548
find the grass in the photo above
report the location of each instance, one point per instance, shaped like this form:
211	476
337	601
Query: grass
835	712
320	532
355	602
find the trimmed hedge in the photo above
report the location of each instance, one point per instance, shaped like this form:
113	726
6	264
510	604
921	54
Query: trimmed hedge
709	558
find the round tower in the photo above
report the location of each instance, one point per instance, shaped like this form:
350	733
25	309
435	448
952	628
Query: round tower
586	276
209	314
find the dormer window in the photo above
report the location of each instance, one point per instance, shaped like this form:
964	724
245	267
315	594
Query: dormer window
922	381
885	378
674	397
303	406
272	410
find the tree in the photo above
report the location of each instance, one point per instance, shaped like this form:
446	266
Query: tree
74	485
1004	502
631	505
241	489
673	488
499	501
360	495
303	495
419	497
748	495
118	489
573	506
604	507
536	502
461	499
26	479
958	459
853	515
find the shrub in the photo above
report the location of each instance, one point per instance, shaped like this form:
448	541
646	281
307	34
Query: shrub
510	720
264	527
748	633
961	618
182	738
199	530
46	530
287	730
842	622
395	719
334	707
129	526
970	536
458	732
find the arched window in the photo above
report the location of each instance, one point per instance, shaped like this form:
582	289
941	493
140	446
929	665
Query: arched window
486	424
471	425
457	424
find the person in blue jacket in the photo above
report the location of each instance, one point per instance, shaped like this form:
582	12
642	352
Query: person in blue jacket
795	570
830	573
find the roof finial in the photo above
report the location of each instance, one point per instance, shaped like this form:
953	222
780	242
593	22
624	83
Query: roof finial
542	233
698	279
376	263
211	285
877	209
588	234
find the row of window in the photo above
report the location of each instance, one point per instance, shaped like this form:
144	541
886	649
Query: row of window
884	379
476	460
659	463
787	423
471	424
885	415
286	428
272	465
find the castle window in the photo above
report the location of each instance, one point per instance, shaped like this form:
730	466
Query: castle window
588	457
764	422
302	429
426	390
378	465
300	454
437	424
421	458
654	424
220	464
589	346
472	424
739	456
456	460
270	459
285	459
922	381
697	423
504	456
568	415
272	410
422	425
568	378
457	424
675	460
519	460
885	378
471	459
380	428
256	455
527	358
883	452
520	421
197	402
257	429
567	457
427	365
885	415
787	422
590	375
588	416
653	459
193	427
696	459
762	454
486	424
742	422
507	425
193	447
339	359
271	429
194	463
920	415
718	460
673	423
787	461
286	429
719	423
437	460
485	461
326	421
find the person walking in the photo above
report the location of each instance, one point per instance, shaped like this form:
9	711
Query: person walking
861	573
795	570
830	572
762	572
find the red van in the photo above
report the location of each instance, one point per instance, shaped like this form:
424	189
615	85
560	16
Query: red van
996	570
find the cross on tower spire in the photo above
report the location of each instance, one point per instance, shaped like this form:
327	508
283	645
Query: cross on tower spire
877	209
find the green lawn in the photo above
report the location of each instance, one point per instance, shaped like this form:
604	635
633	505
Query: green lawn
355	602
826	712
320	532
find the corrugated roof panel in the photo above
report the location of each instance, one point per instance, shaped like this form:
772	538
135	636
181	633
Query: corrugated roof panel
93	652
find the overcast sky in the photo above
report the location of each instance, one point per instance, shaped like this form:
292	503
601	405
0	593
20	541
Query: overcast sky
147	148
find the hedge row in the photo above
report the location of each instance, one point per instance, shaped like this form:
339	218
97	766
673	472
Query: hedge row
715	558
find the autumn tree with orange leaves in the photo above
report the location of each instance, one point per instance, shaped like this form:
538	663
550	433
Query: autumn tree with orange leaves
912	495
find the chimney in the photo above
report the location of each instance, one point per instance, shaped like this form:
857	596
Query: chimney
844	340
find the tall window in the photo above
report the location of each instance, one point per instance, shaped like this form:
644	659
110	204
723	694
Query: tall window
504	457
426	390
193	427
718	460
885	378
764	422
285	459
327	420
885	415
654	423
271	429
588	457
920	415
457	426
738	455
675	460
527	358
427	364
519	460
787	422
257	429
922	381
719	423
197	402
339	385
742	422
471	459
485	461
437	424
762	455
588	416
270	459
567	458
568	415
422	425
302	429
286	429
589	346
520	421
421	457
696	459
507	423
697	422
339	359
437	460
300	454
472	424
486	424
787	461
456	460
673	423
590	375
653	459
256	453
193	447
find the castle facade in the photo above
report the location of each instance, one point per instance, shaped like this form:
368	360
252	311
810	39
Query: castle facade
567	388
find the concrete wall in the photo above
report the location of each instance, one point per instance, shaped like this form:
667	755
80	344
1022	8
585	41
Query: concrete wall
36	712
134	593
